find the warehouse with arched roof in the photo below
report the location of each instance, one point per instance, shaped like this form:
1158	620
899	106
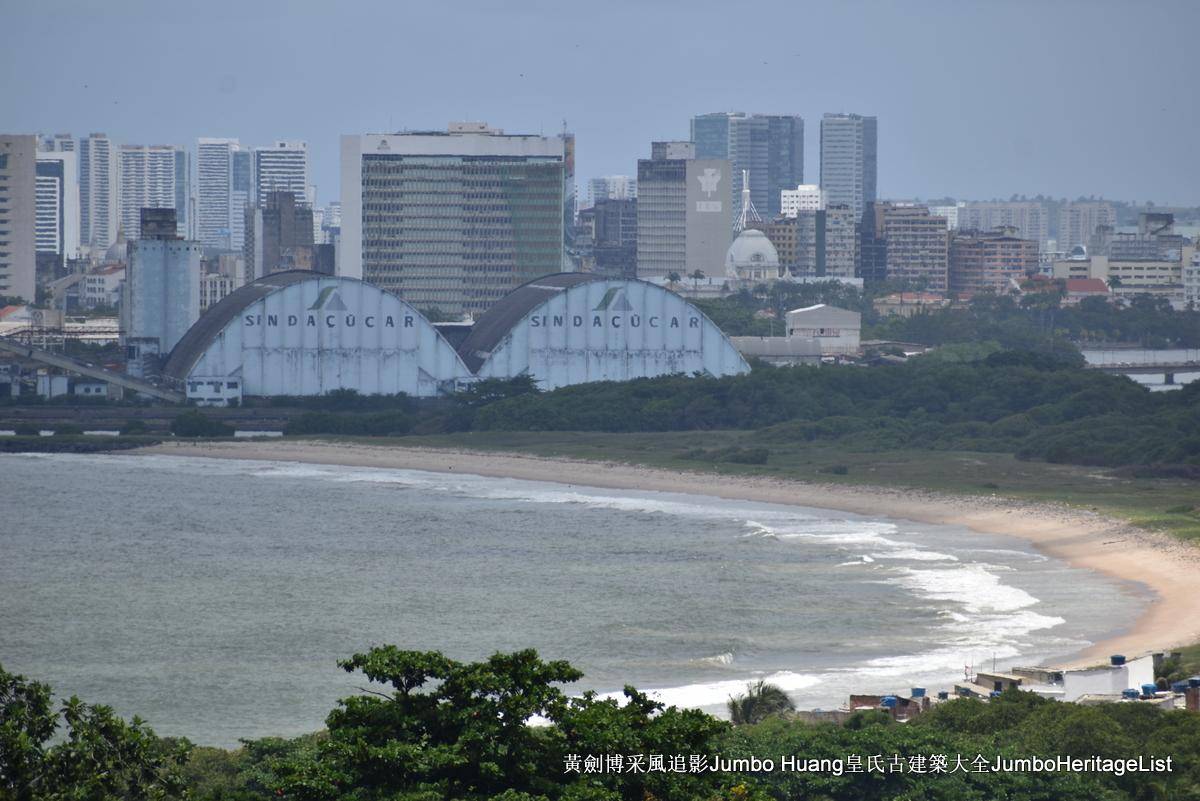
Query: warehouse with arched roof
573	328
305	333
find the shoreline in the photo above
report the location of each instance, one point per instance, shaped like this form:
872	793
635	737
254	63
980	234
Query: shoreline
1164	566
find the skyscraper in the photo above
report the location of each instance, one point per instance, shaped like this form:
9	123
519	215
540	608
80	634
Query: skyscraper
98	185
214	192
282	167
848	160
147	182
279	236
769	147
452	219
183	193
611	187
58	203
18	216
684	213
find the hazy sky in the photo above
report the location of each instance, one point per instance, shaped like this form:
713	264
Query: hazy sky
974	99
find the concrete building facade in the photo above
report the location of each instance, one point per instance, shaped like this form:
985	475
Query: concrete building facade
452	220
214	192
1079	222
278	236
147	181
685	216
805	197
161	296
282	167
99	213
18	216
906	243
849	161
58	203
994	261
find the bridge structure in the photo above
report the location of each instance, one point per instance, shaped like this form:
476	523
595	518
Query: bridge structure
1167	365
89	370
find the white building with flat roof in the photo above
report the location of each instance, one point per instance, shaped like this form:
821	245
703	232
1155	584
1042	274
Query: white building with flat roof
805	197
836	330
281	167
58	203
147	174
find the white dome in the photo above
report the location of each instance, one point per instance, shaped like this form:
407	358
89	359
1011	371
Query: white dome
752	257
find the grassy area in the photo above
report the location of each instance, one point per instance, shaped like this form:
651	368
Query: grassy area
1167	505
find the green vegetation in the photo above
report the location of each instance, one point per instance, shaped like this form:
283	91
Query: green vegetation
432	728
759	702
193	423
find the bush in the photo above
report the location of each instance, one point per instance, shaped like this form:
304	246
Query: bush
130	427
193	423
27	430
68	430
383	424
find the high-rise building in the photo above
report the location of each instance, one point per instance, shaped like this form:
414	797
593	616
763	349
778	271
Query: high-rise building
611	187
452	219
769	147
841	241
950	211
904	242
849	164
147	182
281	167
184	218
58	203
214	192
1029	218
1079	222
614	237
991	261
685	215
99	214
279	236
161	297
58	143
805	197
18	216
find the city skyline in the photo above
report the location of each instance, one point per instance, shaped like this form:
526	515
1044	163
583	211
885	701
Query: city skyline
955	133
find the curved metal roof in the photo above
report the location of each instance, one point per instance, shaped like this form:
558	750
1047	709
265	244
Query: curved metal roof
493	325
197	339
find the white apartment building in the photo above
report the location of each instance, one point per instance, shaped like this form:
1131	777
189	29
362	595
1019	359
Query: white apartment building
147	182
281	167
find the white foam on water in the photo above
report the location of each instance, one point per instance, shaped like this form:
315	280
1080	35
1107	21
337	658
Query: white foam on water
916	555
722	659
717	693
972	585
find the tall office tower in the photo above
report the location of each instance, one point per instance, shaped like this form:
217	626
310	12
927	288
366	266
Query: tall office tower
452	219
611	187
147	182
915	245
99	215
1079	222
183	192
1028	217
614	237
279	236
848	160
58	203
992	261
684	212
282	167
769	147
241	197
161	297
18	216
214	192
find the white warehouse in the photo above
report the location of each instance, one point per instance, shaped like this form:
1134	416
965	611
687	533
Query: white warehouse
304	333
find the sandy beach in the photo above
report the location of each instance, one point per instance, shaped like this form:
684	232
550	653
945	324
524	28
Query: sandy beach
1167	568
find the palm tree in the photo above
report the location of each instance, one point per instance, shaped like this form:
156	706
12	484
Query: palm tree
760	701
672	278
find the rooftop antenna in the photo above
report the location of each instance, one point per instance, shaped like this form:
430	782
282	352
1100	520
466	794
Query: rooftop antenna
748	214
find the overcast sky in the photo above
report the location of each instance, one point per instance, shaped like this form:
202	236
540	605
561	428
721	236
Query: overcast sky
975	99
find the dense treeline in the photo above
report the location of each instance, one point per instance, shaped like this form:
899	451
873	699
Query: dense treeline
1023	403
432	728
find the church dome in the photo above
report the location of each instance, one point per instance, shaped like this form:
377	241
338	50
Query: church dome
752	257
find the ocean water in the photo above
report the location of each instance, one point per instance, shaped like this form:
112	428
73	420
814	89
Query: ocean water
213	597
